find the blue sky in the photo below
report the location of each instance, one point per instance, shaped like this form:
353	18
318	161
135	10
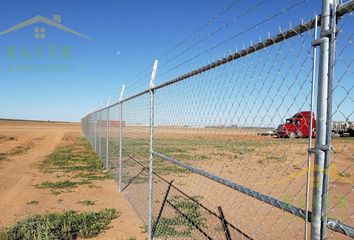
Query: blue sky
128	36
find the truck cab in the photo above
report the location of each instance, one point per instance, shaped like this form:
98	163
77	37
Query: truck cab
297	126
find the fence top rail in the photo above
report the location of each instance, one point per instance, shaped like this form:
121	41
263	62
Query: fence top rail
284	35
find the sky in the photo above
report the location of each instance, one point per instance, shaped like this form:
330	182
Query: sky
63	76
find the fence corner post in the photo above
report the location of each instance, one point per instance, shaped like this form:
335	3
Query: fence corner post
321	147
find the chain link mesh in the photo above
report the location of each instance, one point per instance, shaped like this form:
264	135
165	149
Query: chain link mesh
135	158
245	121
211	121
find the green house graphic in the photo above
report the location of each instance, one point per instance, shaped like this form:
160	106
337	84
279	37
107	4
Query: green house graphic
40	32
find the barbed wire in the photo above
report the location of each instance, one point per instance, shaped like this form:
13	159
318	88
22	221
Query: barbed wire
255	26
218	29
147	69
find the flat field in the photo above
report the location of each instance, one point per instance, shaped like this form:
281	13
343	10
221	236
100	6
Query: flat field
272	166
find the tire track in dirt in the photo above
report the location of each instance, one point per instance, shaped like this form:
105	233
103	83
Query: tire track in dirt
19	173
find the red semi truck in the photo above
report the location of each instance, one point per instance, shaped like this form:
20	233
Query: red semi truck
297	126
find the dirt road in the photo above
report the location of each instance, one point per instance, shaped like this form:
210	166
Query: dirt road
23	146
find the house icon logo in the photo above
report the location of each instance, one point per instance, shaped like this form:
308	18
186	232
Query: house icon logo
40	32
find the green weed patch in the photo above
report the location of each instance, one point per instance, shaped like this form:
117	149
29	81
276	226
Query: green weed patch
63	226
33	202
79	163
19	149
178	225
16	151
86	203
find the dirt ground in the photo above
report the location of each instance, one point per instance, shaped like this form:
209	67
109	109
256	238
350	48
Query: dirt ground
273	166
23	146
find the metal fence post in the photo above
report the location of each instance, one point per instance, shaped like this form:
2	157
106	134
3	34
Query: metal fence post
107	139
91	130
321	126
152	83
120	138
308	175
332	53
100	143
95	132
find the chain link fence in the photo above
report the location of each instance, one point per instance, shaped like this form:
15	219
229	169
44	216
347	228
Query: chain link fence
256	145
